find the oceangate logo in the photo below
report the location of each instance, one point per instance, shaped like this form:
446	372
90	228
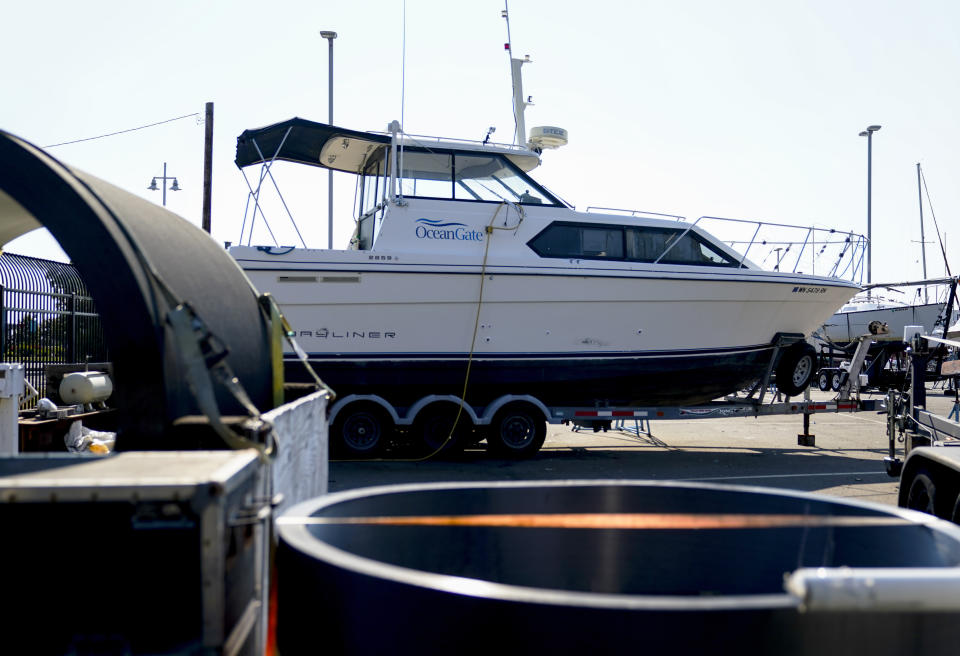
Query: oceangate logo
440	229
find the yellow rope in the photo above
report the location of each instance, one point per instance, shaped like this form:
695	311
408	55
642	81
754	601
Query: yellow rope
473	343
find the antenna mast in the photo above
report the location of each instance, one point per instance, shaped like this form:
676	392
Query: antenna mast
519	104
540	137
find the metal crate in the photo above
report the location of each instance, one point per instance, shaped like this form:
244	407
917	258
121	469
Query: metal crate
138	552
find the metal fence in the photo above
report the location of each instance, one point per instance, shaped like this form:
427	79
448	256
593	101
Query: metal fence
47	317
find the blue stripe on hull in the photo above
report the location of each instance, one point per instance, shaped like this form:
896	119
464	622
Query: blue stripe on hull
627	380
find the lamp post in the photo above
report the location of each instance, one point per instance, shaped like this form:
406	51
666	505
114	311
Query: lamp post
330	36
163	184
868	133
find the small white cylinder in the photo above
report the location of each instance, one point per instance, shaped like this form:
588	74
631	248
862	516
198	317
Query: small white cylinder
11	389
893	589
85	387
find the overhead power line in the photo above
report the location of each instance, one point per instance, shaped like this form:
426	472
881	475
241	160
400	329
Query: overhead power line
142	127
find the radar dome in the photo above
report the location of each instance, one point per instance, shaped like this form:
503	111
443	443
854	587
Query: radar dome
547	137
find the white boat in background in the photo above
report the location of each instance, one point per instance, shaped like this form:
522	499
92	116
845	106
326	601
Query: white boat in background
466	277
855	317
953	332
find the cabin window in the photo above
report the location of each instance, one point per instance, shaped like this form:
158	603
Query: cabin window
458	176
627	243
569	240
488	177
676	247
426	174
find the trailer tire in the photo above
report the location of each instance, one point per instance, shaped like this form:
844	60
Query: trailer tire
517	431
433	428
796	368
360	431
823	380
922	495
837	380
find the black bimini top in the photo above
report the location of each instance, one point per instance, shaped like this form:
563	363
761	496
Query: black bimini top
318	144
306	142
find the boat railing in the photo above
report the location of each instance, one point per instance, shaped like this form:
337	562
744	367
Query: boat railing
636	213
776	246
426	141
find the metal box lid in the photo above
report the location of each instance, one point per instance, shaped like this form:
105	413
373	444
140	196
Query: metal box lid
125	476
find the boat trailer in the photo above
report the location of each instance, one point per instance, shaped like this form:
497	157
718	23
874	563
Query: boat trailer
360	422
930	468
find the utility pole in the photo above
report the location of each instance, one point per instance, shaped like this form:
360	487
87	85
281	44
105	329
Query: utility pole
207	167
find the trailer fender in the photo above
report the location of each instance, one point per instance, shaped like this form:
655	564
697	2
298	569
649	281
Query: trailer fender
415	409
371	398
491	410
931	475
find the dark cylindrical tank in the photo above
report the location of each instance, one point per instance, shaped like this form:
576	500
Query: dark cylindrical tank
594	568
139	261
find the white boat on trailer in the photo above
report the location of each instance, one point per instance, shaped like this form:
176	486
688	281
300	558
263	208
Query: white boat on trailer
466	279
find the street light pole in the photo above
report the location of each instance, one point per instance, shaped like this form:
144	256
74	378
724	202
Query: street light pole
330	36
868	133
174	187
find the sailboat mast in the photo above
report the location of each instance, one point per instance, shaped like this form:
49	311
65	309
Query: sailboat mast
923	242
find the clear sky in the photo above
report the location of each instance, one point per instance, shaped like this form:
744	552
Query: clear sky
744	108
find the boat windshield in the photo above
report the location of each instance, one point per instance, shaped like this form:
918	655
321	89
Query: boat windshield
468	176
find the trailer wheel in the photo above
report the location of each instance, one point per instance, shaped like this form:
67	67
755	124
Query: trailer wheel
433	428
837	380
823	380
360	431
796	368
517	431
923	493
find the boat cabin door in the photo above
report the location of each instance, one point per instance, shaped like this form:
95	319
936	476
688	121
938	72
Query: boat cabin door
373	183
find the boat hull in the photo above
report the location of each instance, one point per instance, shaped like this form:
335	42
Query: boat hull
845	327
678	378
573	335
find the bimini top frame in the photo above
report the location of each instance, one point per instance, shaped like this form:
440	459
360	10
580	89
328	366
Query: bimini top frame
301	141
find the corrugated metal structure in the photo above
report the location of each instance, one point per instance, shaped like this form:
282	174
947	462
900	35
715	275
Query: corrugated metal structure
47	316
178	313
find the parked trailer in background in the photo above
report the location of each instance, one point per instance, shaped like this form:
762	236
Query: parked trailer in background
930	473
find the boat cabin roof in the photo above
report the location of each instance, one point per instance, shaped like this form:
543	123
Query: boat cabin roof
328	146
